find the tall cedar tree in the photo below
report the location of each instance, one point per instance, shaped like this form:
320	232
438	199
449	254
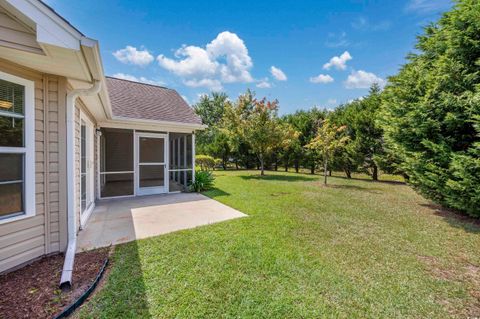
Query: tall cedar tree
431	110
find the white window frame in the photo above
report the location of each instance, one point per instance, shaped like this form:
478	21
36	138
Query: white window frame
28	150
90	149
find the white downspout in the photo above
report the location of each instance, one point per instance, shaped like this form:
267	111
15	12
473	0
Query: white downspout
66	280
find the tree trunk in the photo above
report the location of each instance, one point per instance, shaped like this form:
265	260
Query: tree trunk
286	167
236	164
297	166
375	173
224	163
262	166
330	173
347	172
312	169
325	170
276	164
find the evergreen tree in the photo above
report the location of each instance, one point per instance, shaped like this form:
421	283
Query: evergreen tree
431	110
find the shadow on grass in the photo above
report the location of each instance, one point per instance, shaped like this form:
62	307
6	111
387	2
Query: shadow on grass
354	187
123	294
215	192
284	178
455	218
369	180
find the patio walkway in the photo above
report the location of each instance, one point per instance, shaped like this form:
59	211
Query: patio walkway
118	221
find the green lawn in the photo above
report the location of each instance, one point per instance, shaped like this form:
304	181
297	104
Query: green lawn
354	249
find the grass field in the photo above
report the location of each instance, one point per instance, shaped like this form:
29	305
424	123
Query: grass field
354	249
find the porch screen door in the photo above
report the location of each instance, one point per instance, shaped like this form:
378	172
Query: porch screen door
151	174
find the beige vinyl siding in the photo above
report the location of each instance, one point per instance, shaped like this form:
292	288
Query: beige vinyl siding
44	233
15	34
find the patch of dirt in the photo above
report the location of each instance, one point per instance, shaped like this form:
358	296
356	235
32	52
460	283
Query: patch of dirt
279	194
32	291
466	273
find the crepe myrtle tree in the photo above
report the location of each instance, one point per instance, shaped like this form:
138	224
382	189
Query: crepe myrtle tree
256	123
328	140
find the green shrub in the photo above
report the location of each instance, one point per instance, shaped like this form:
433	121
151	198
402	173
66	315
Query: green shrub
203	181
206	162
218	162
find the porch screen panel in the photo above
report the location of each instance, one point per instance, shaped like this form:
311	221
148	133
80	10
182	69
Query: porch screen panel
116	162
181	161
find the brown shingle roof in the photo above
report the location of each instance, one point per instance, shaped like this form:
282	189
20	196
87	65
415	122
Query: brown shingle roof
145	101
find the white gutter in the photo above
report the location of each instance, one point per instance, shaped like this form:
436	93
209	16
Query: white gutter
66	280
158	122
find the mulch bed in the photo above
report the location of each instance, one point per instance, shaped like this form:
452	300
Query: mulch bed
33	292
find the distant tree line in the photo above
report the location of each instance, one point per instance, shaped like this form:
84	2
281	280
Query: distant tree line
424	125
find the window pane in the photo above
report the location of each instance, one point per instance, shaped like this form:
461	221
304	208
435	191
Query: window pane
152	150
11	167
11	199
112	185
11	131
116	150
83	147
152	175
12	97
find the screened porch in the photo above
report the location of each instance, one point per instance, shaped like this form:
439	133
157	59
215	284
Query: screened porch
133	162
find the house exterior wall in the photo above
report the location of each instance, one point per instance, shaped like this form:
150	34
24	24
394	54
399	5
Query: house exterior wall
46	231
14	34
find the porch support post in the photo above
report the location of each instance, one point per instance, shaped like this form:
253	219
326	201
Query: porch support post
193	156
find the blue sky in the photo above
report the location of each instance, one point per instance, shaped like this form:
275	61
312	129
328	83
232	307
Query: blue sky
303	53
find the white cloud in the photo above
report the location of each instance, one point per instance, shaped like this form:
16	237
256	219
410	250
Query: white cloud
278	74
131	55
362	23
264	84
362	80
212	84
338	62
335	40
321	78
332	101
133	78
428	6
224	60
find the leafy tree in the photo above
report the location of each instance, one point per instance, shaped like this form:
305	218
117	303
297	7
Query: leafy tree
328	140
211	108
431	108
368	141
305	123
348	159
212	140
256	123
366	146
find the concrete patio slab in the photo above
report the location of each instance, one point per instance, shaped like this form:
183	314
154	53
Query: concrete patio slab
118	221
